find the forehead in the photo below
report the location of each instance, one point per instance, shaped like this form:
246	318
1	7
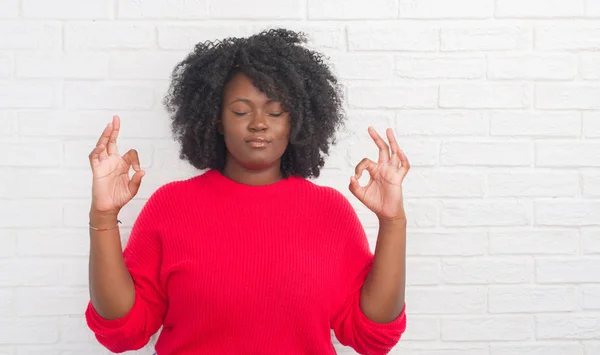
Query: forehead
242	87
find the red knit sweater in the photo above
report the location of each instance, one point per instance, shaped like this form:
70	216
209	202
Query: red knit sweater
227	268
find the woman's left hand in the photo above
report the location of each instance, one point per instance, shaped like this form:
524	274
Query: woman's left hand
383	193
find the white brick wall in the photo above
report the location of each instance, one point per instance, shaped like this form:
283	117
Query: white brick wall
496	103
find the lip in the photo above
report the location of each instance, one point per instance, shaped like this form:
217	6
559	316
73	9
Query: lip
258	142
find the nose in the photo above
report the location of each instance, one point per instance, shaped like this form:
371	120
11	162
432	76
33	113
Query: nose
258	123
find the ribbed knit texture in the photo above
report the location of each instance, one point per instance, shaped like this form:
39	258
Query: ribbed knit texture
228	268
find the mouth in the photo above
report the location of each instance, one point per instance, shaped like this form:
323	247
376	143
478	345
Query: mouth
258	142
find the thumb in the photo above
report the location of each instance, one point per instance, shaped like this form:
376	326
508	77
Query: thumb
136	181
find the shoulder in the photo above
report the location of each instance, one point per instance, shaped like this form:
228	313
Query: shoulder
328	197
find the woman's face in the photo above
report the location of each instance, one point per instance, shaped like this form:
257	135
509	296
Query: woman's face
255	128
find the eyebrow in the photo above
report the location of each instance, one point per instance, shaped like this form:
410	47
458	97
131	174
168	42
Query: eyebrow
248	101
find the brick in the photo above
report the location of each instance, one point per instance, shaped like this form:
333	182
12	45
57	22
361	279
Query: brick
74	329
108	95
537	348
552	124
591	240
352	9
453	300
590	66
62	65
20	331
567	37
591	124
67	9
539	8
18	213
423	328
592	348
445	348
260	9
533	299
421	214
8	243
10	10
487	328
422	272
30	272
434	9
436	66
485	213
537	241
567	270
52	183
53	242
185	37
35	301
75	271
162	9
419	152
567	212
354	66
70	349
484	95
358	123
413	96
487	154
6	302
567	326
29	94
26	153
89	124
568	154
447	243
440	123
487	271
105	35
591	184
393	37
591	297
567	96
6	65
475	38
444	184
143	65
30	35
8	124
592	8
532	67
534	184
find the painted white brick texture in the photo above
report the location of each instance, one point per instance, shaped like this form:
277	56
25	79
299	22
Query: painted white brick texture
495	102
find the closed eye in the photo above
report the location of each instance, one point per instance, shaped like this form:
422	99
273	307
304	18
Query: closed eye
239	113
276	114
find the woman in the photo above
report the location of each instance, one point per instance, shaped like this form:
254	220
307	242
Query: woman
249	257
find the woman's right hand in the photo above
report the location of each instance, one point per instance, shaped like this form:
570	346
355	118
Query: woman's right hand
111	187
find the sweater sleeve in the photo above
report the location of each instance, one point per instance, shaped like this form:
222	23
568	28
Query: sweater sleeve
142	256
351	326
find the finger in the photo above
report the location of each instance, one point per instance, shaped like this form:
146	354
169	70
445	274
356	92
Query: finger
132	158
105	136
395	159
136	181
95	155
365	164
112	141
384	150
404	161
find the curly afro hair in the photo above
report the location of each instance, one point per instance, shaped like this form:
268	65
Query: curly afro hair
279	66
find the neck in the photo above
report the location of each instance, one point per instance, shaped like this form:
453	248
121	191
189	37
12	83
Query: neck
245	176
